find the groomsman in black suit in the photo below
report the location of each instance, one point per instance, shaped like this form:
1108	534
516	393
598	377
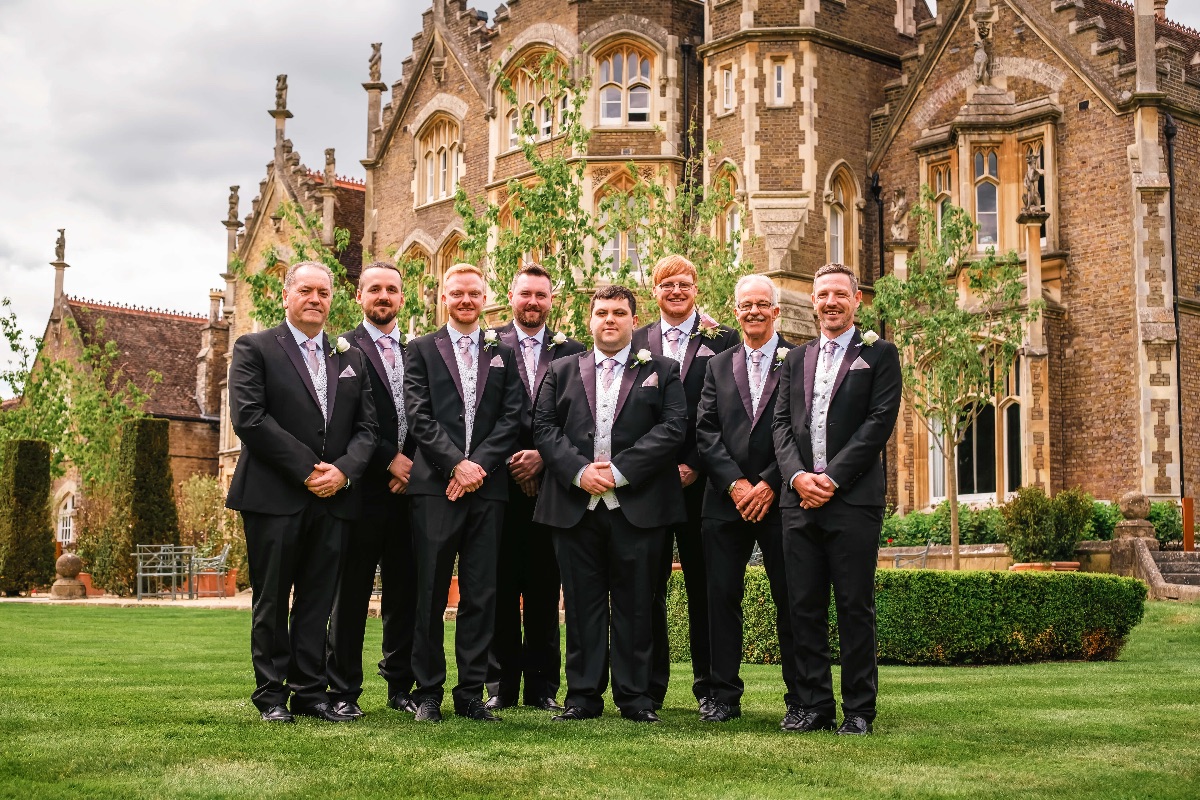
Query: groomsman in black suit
608	424
838	398
741	498
305	415
527	586
462	395
383	537
689	338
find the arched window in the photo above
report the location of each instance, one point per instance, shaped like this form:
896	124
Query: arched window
987	196
449	254
535	79
66	520
440	148
623	78
620	240
939	181
841	234
729	224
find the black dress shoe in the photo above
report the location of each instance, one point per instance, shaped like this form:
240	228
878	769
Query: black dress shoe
721	712
545	704
574	713
323	711
706	705
478	711
792	718
809	722
347	708
854	726
402	701
278	714
641	716
429	710
496	703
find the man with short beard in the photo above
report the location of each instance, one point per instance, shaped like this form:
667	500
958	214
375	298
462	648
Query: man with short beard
383	537
527	586
462	394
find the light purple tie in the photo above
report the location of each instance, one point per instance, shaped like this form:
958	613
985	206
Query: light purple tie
527	347
464	349
830	348
389	355
673	336
756	357
608	370
313	364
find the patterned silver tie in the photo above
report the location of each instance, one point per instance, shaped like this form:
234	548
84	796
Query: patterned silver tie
389	355
608	371
464	349
830	348
311	352
529	347
673	336
756	357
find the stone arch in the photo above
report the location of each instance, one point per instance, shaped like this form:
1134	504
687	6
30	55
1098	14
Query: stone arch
542	34
441	102
622	26
421	238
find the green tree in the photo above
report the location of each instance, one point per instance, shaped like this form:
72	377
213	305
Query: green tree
26	538
959	319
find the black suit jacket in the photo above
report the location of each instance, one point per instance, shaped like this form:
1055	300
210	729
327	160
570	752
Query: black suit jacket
733	442
274	408
700	348
862	414
550	352
374	483
436	421
649	425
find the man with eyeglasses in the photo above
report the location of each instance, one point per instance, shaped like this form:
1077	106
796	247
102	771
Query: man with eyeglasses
691	339
741	499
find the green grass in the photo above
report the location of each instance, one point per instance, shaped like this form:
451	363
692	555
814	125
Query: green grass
153	702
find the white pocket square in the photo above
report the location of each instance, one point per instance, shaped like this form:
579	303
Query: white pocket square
704	351
497	361
859	364
348	372
650	382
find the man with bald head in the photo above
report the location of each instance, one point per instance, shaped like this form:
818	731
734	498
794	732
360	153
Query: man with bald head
303	410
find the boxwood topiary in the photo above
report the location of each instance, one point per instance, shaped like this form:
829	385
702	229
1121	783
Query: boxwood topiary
26	536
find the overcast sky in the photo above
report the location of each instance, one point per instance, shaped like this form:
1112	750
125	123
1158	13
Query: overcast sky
126	121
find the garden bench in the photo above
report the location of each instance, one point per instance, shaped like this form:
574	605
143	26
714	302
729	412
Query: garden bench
915	560
213	565
164	570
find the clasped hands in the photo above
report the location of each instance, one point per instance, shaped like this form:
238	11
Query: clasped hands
325	480
399	470
526	469
753	501
467	477
597	478
814	489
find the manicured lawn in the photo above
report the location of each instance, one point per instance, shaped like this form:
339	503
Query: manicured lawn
131	703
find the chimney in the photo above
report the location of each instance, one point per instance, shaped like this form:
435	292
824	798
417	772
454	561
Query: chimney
1160	9
214	305
1143	39
328	194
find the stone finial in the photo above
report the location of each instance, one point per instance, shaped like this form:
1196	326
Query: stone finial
215	296
281	92
330	167
374	62
899	216
1134	505
1160	9
233	204
68	586
60	246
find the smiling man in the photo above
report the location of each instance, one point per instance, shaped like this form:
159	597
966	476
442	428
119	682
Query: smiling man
838	398
305	415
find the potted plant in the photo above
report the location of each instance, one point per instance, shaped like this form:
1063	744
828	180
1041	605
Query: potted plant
1029	529
1071	511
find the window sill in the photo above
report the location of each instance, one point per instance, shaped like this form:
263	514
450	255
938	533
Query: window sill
432	203
729	112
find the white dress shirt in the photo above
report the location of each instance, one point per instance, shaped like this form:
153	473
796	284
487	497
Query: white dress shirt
606	412
765	366
319	378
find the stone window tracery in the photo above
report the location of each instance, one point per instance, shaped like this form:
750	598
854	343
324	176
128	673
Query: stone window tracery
987	195
841	230
940	181
535	80
66	520
621	242
623	75
441	154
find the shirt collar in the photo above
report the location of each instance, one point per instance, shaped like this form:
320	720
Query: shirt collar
685	326
767	349
522	335
621	357
455	335
300	336
843	341
377	334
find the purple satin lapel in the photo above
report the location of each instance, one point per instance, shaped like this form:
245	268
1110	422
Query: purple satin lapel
811	353
371	351
654	338
483	364
847	360
768	388
543	362
742	381
333	368
288	343
442	340
628	376
587	373
693	344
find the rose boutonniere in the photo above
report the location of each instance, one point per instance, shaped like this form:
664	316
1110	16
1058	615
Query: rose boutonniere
869	338
408	338
709	328
559	338
489	339
340	346
780	355
639	358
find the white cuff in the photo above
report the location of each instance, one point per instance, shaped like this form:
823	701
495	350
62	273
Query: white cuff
579	474
617	476
792	482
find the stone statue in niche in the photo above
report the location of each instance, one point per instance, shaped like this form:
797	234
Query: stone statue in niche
330	167
60	247
233	204
899	216
1032	201
281	92
983	65
374	62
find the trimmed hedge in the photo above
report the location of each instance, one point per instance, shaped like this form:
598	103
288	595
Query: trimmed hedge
973	617
26	536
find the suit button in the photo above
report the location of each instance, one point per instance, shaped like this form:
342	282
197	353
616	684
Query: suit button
591	434
320	432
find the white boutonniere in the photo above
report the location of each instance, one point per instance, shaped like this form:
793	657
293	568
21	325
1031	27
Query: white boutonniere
341	345
559	338
869	338
639	358
709	328
489	339
408	338
780	355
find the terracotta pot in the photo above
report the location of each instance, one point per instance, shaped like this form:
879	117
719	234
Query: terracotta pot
676	566
1065	566
86	579
452	600
1031	566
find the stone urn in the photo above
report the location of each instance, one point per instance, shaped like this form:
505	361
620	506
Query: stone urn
68	586
1135	507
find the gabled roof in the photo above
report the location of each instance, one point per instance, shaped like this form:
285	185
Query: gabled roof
149	339
1119	23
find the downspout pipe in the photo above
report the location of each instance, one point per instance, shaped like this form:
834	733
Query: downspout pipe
877	193
1170	130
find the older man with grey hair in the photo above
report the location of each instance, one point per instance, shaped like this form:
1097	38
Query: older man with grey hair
741	499
303	409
